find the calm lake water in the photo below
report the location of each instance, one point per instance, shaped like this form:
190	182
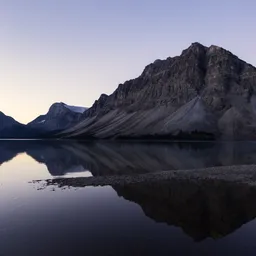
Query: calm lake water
181	218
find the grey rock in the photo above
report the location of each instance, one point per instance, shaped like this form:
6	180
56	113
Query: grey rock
205	89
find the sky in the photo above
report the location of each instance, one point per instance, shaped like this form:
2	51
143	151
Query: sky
72	51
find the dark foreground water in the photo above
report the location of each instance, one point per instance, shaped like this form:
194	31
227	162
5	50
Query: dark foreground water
182	218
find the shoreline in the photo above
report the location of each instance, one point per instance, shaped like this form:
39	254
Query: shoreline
241	174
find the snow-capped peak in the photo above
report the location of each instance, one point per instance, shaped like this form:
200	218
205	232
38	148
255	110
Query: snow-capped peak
75	109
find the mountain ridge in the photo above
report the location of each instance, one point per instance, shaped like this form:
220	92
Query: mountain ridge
204	93
139	107
59	117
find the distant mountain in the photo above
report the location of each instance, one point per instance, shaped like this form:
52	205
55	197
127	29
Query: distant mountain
59	117
206	92
7	122
10	128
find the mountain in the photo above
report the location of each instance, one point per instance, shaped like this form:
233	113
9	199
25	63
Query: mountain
7	122
206	92
59	117
10	128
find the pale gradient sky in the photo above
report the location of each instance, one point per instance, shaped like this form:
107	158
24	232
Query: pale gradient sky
74	50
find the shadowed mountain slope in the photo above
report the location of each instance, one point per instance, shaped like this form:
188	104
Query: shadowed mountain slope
206	91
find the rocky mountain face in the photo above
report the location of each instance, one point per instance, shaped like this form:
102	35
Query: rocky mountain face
59	117
206	92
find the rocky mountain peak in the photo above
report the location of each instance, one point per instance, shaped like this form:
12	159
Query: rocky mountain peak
193	92
195	48
97	106
60	108
60	116
215	48
57	108
103	97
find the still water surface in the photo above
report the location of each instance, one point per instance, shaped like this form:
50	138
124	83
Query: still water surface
181	219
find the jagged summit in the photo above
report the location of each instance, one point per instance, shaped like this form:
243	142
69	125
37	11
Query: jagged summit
207	92
145	106
194	48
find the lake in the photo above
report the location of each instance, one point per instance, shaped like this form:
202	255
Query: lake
181	218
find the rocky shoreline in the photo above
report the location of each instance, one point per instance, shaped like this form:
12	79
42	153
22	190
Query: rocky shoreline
242	174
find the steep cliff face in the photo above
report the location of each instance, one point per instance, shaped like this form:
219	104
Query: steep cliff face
205	90
60	116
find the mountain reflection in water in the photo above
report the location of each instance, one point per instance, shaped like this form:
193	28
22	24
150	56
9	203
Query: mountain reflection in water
201	209
178	217
113	158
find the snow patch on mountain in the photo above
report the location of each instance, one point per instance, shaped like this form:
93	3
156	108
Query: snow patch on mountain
76	109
